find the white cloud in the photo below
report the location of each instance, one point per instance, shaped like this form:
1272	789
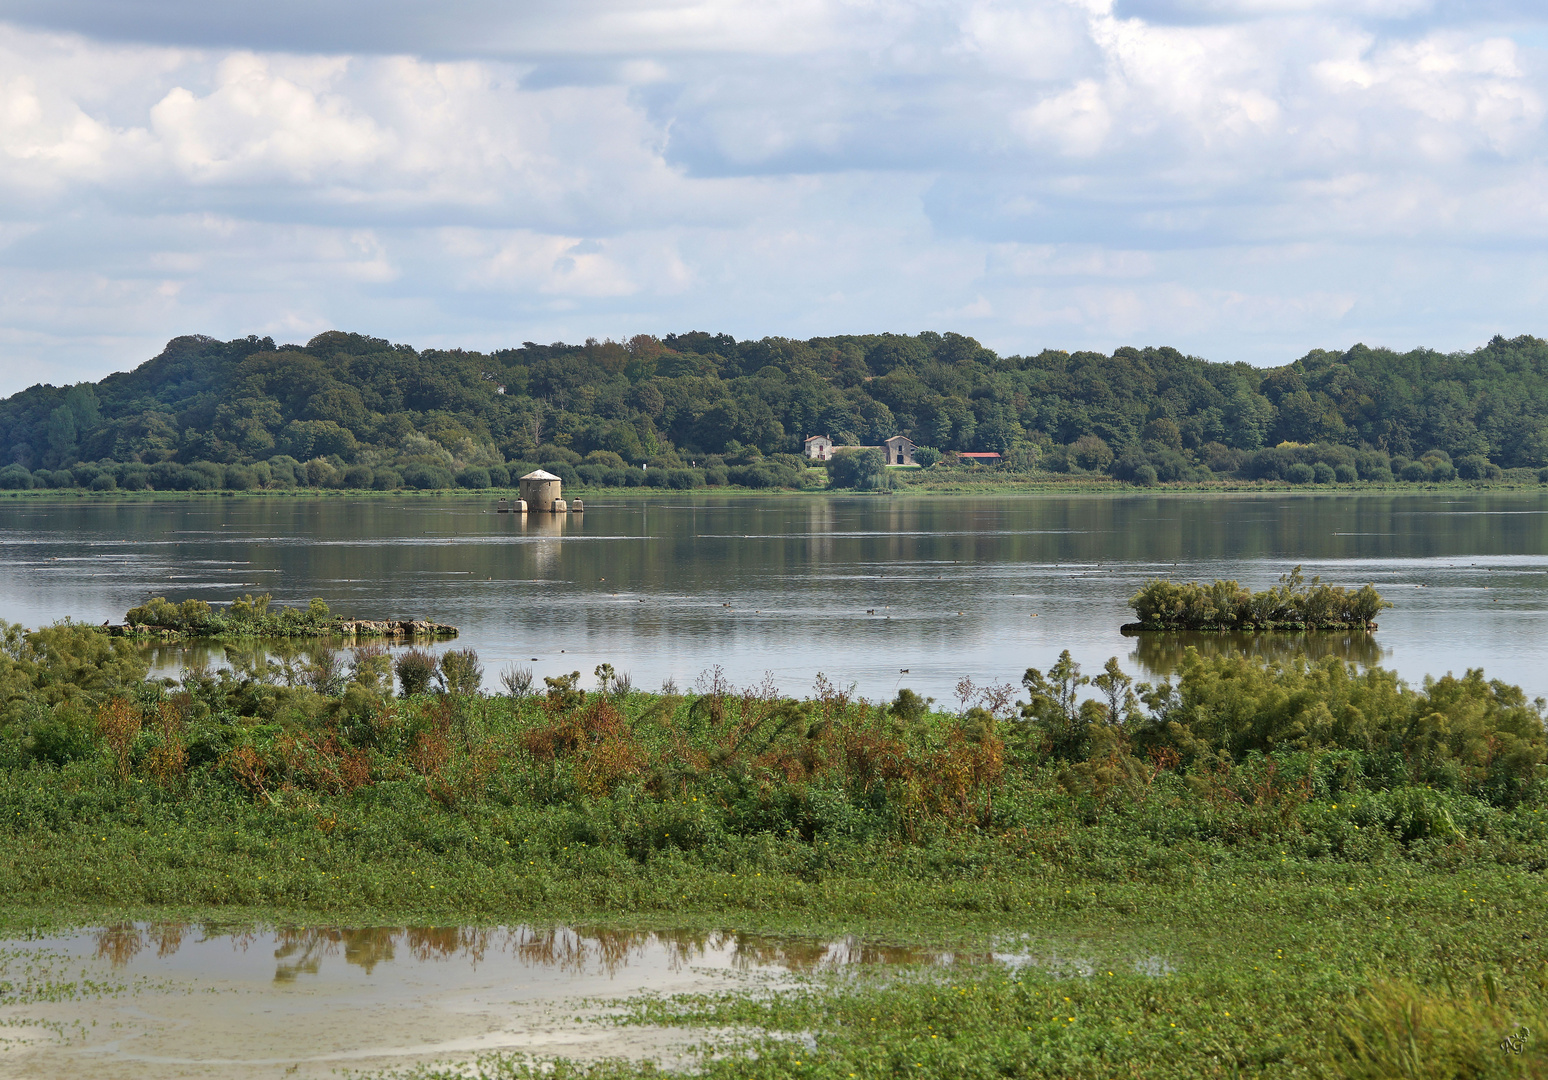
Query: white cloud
1079	167
261	124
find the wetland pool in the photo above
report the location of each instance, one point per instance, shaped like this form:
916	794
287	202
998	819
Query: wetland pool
878	592
173	1000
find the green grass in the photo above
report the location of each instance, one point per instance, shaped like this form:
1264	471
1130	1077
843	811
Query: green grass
1290	947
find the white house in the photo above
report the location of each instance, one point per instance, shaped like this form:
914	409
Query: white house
819	447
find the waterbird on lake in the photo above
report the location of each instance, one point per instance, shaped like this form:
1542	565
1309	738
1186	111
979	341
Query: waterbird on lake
902	671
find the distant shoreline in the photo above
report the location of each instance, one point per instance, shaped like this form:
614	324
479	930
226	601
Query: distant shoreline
911	488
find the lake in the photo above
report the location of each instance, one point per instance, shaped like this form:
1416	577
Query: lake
877	592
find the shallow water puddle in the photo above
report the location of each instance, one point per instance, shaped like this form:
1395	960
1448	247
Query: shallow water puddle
174	1000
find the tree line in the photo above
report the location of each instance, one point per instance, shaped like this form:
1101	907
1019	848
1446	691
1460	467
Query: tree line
348	410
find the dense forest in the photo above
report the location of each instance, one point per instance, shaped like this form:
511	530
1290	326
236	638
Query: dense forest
347	410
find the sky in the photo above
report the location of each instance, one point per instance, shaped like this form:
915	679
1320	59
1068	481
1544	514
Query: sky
1244	180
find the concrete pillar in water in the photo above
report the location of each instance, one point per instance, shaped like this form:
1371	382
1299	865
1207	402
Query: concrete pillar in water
560	506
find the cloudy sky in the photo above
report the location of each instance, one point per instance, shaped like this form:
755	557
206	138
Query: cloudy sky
1242	179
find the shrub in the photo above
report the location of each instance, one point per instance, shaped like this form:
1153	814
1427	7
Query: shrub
517	681
1323	473
166	476
61	736
359	477
415	669
499	476
15	477
426	477
460	672
1300	473
1345	473
104	482
386	480
865	470
1091	453
926	455
285	471
204	476
1145	475
157	611
1415	473
909	706
1477	467
321	473
473	478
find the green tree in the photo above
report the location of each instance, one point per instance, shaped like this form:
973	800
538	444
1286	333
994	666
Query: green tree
865	470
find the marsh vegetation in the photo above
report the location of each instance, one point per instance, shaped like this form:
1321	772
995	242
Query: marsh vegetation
1319	847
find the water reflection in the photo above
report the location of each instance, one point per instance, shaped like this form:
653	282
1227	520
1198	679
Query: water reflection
304	951
321	663
1160	653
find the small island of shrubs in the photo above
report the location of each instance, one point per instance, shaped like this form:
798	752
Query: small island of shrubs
1292	605
254	617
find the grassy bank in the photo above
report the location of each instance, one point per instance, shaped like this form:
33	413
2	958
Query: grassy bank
1305	857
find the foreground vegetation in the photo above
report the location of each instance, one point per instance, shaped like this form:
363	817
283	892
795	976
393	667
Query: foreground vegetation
1341	873
347	411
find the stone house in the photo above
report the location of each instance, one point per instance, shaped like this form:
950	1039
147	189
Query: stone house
900	450
819	447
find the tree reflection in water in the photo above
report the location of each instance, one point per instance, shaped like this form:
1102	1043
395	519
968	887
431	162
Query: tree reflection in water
119	943
300	951
1160	653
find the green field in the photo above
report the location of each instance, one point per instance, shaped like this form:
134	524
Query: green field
1293	870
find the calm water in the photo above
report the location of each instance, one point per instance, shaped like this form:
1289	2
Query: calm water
859	589
148	1002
